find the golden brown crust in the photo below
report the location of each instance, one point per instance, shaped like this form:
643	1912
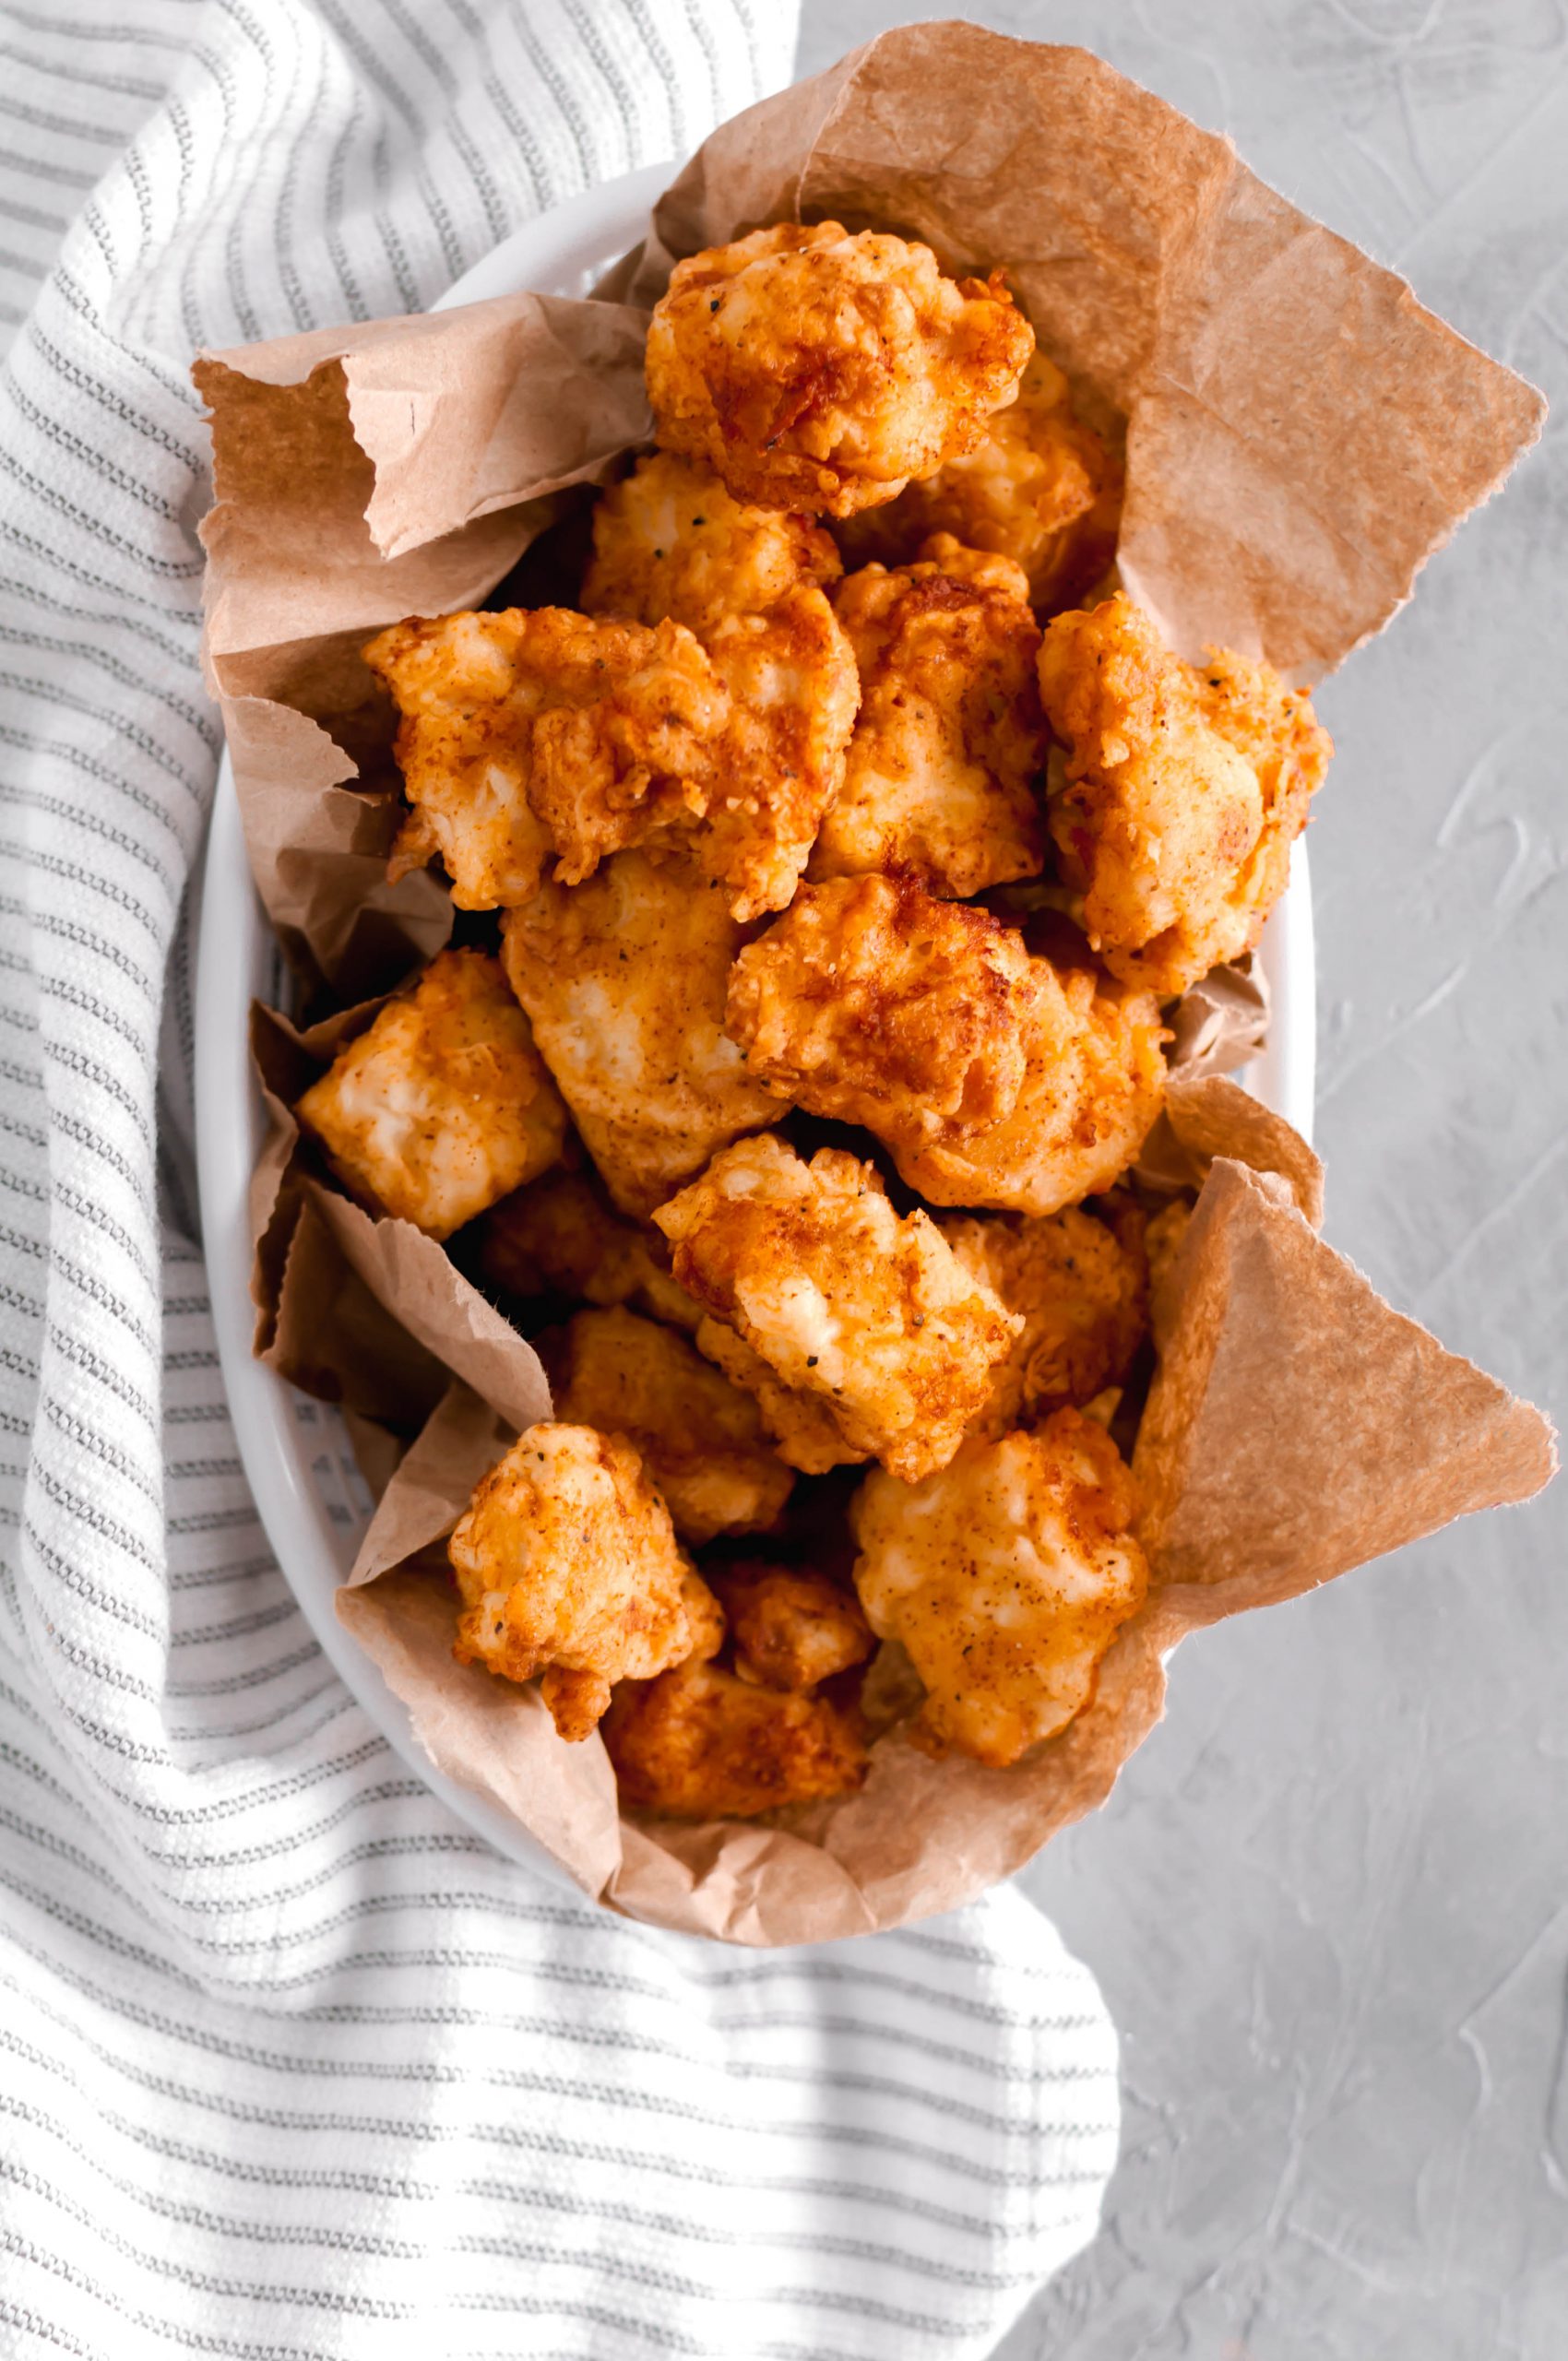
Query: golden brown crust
670	538
567	1565
996	1077
871	1314
871	1002
536	729
699	1436
445	1104
820	372
700	1744
942	772
1083	1294
792	1627
624	980
1006	1577
559	1237
1183	792
671	541
1039	488
1093	1085
800	1427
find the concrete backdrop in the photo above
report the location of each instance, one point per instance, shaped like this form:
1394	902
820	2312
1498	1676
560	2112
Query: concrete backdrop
1328	1901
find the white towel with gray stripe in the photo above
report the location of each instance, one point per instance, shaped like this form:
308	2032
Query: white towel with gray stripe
292	2064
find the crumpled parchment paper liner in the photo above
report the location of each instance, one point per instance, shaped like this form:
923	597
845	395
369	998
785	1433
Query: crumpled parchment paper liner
1300	435
1370	1435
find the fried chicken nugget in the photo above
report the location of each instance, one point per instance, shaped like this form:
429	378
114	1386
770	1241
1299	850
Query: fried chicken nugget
567	1565
699	1436
792	1627
872	1313
539	729
800	1427
1185	790
671	541
820	371
1083	1293
1039	488
871	1002
558	1236
1006	1577
1093	1086
445	1104
700	1744
950	738
624	980
670	538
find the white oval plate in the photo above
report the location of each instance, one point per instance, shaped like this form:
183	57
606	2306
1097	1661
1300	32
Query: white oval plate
311	1497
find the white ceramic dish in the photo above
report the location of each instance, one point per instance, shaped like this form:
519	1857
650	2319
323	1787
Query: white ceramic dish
312	1498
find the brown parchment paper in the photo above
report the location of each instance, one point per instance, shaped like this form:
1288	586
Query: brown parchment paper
1302	433
1301	436
1297	1427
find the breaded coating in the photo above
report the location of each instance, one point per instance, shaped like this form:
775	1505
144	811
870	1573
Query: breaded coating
1006	1577
794	689
700	1744
567	1565
445	1104
673	539
1040	489
1083	1293
1093	1086
624	978
872	1313
820	371
700	1438
950	739
792	1629
800	1427
1184	792
537	730
558	1236
871	1002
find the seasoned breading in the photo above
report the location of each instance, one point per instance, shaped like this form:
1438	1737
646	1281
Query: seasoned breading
537	730
1083	1294
445	1104
671	539
1006	1577
820	371
1184	790
700	1744
699	1436
1094	1084
800	1427
558	1236
1039	488
792	1629
870	1312
871	1002
995	1075
567	1565
941	770
624	978
793	692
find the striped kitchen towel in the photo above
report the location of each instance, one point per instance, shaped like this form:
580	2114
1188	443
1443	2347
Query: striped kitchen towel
293	2066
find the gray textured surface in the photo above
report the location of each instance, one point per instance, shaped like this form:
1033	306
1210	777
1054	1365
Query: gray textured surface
1329	1901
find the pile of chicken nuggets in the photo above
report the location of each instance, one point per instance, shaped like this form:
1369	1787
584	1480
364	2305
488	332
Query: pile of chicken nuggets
846	845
